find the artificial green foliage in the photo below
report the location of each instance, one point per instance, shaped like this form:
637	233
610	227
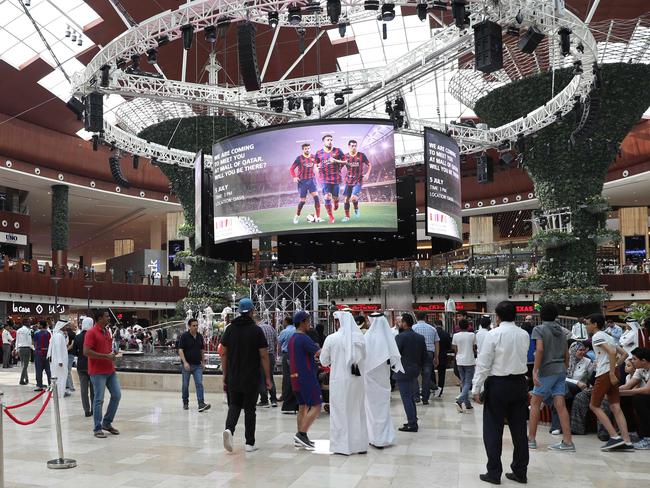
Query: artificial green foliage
351	287
572	175
211	282
448	284
638	312
575	296
513	278
60	222
551	239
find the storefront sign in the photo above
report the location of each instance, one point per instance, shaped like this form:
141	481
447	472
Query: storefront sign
37	308
525	308
436	307
15	239
361	307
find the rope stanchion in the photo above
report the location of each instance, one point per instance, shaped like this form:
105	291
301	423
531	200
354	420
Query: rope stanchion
11	407
61	462
36	417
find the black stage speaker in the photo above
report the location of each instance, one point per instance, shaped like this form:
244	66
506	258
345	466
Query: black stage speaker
530	40
250	73
94	119
488	47
484	169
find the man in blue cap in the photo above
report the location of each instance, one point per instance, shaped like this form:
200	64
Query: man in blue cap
244	350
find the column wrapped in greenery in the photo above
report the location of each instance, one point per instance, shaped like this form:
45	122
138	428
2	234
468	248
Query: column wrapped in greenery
60	222
211	282
572	175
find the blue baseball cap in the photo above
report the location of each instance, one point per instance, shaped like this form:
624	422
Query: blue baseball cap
245	305
300	316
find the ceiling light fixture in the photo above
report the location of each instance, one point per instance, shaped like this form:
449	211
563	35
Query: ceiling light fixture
295	15
387	12
274	18
188	36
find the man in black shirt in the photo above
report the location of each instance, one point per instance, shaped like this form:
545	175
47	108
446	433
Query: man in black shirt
413	349
445	347
244	350
190	349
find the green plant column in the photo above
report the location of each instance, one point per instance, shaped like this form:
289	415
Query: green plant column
60	224
211	282
572	175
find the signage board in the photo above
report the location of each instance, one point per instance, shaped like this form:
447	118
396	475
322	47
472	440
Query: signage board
37	308
15	239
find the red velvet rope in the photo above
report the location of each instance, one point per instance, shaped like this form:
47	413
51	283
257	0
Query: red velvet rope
11	407
38	415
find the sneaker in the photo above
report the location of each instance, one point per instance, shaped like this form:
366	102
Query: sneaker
204	406
67	394
186	406
357	213
425	402
263	405
614	444
459	407
99	434
561	446
556	432
227	440
532	444
303	440
469	407
332	220
345	219
274	404
628	447
296	219
643	444
250	448
39	388
319	219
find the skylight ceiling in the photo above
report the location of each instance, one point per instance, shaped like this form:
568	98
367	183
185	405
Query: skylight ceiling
20	44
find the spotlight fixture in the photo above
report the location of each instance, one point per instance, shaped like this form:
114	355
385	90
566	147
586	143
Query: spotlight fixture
577	68
580	48
521	143
68	32
371	5
342	29
530	40
322	98
249	124
388	12
188	36
565	41
422	11
120	63
274	18
261	103
28	3
291	103
338	98
162	40
399	104
519	17
136	161
334	10
277	104
73	38
295	15
461	17
106	76
135	62
80	41
308	105
513	31
152	55
389	107
210	33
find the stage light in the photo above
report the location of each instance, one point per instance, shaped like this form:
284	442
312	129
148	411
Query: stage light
28	3
399	104
422	11
577	68
338	98
439	5
162	40
519	17
342	29
106	76
322	98
371	5
68	32
291	103
334	10
295	15
210	33
135	62
308	105
249	124
274	18
136	161
277	104
261	103
120	63
389	107
566	219
565	41
188	36
73	38
152	55
461	18
387	12
580	48
521	143
80	42
513	31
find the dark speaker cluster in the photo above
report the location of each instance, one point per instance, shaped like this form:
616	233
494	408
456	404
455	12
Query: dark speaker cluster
116	172
488	47
94	112
249	71
484	169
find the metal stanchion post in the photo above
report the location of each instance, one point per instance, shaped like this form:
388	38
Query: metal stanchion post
2	446
61	462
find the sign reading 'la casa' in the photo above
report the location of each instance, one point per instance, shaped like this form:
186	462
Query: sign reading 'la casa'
37	308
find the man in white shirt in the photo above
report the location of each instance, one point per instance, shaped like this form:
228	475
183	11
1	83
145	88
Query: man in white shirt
450	311
464	344
7	339
484	328
579	330
501	367
608	358
639	389
24	346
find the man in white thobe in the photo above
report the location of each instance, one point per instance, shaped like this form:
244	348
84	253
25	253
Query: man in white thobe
344	352
57	354
382	355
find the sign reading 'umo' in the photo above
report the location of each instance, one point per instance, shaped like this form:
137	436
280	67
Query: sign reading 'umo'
37	308
16	239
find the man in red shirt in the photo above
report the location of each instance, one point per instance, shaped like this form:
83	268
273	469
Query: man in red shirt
101	369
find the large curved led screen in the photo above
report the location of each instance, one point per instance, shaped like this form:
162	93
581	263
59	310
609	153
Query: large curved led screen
442	160
309	177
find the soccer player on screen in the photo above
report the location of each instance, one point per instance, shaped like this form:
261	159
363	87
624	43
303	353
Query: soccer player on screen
355	162
330	161
302	172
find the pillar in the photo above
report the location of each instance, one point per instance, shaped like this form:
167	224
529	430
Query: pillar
155	235
633	221
60	225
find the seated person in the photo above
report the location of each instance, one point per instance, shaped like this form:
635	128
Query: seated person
577	378
639	389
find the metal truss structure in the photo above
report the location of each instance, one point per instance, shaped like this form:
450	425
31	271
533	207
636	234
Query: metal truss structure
154	99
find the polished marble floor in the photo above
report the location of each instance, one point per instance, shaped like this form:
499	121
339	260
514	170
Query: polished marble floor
163	446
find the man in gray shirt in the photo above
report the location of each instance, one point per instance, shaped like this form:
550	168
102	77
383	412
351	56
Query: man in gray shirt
549	376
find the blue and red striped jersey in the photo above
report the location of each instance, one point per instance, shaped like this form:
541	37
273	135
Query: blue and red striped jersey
356	168
328	170
303	167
